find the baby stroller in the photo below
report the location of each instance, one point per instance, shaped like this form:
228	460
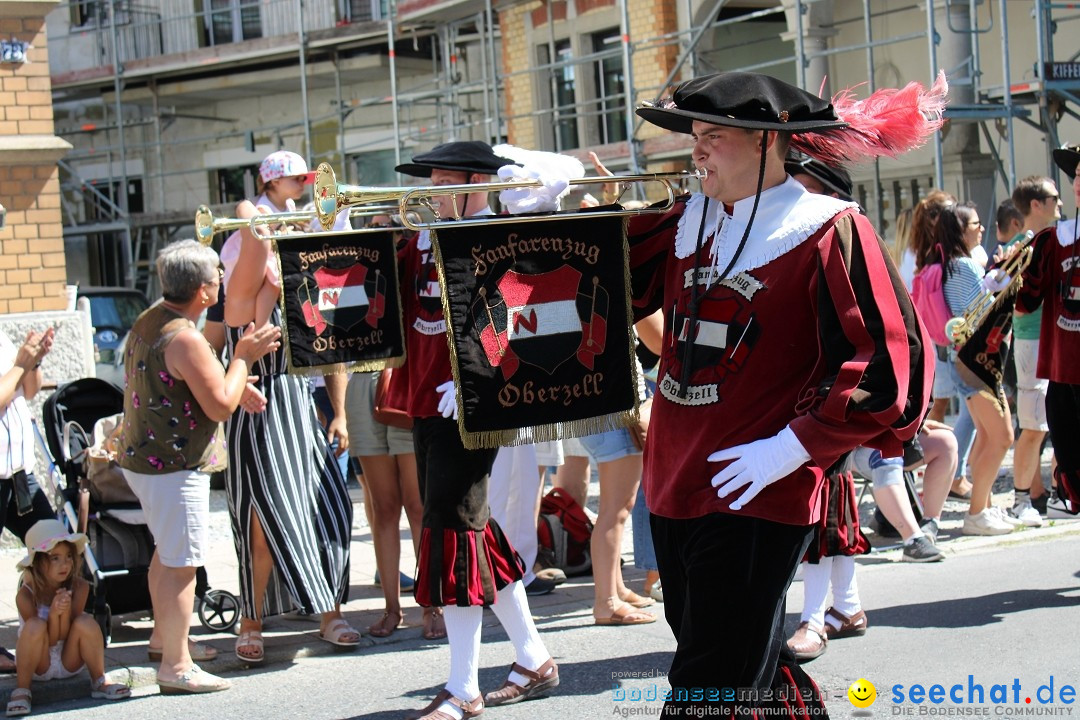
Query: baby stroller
118	557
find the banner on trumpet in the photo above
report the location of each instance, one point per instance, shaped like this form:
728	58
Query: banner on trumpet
539	317
340	302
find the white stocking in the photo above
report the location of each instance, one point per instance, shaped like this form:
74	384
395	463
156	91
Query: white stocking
816	591
512	608
463	634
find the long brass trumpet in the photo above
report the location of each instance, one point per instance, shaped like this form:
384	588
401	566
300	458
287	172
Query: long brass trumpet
960	329
207	225
331	196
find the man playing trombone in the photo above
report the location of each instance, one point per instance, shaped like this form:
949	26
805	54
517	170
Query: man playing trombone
454	480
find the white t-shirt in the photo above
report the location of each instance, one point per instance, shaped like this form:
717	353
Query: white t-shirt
16	431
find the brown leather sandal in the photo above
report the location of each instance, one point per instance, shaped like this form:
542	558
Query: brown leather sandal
434	625
543	679
808	642
847	626
469	709
387	624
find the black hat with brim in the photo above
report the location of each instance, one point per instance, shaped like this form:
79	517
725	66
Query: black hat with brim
745	100
1067	158
467	156
834	179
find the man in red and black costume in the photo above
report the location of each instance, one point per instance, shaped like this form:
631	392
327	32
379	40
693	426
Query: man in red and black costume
789	340
466	563
1052	277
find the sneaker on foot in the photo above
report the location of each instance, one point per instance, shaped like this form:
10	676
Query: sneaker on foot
931	529
986	522
921	550
1005	516
1026	513
1058	508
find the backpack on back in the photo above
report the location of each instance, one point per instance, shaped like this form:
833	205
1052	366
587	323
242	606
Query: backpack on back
565	530
928	297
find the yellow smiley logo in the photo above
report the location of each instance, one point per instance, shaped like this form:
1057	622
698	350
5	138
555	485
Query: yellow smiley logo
862	693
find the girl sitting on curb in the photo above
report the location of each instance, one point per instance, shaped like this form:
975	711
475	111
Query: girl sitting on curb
56	638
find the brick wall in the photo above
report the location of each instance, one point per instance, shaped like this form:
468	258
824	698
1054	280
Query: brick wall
32	264
524	26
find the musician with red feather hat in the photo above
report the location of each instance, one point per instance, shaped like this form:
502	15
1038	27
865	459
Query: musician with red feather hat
789	340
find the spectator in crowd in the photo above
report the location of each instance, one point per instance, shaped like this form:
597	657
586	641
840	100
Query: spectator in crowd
941	230
1037	199
56	638
288	502
22	501
176	396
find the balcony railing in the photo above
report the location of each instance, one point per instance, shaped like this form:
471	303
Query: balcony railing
81	33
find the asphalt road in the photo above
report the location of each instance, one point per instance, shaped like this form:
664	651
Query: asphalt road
1003	613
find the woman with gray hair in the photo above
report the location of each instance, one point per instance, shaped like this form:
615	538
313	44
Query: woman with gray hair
176	396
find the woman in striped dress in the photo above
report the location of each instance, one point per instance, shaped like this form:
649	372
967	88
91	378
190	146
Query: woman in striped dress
289	505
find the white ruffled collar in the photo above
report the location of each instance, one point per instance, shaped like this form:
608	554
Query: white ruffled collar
1066	232
423	241
786	216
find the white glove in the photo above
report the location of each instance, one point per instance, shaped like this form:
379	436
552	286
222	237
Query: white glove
757	464
995	281
532	199
447	400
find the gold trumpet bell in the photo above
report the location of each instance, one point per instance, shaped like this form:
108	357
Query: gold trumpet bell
204	225
326	195
956	330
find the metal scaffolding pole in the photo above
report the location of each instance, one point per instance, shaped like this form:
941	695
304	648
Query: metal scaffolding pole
308	151
1007	97
628	74
393	82
932	36
118	86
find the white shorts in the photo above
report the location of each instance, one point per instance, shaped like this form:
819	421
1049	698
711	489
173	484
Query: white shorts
553	453
1030	390
56	669
177	509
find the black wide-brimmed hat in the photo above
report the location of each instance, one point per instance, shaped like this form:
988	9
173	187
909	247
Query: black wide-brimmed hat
834	179
468	156
745	100
1067	156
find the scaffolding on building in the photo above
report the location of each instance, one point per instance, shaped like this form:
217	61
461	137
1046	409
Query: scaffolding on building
461	98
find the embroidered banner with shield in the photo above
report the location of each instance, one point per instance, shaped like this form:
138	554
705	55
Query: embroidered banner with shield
340	302
539	317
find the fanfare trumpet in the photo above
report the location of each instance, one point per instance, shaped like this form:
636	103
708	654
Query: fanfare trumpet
207	226
960	329
331	196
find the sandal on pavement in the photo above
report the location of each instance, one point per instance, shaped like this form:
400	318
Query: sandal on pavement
431	712
543	679
846	626
808	642
632	598
198	652
626	615
102	689
19	702
434	625
195	680
387	624
250	639
337	628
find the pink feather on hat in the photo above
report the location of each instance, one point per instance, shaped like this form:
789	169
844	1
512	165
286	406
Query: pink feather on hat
889	122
